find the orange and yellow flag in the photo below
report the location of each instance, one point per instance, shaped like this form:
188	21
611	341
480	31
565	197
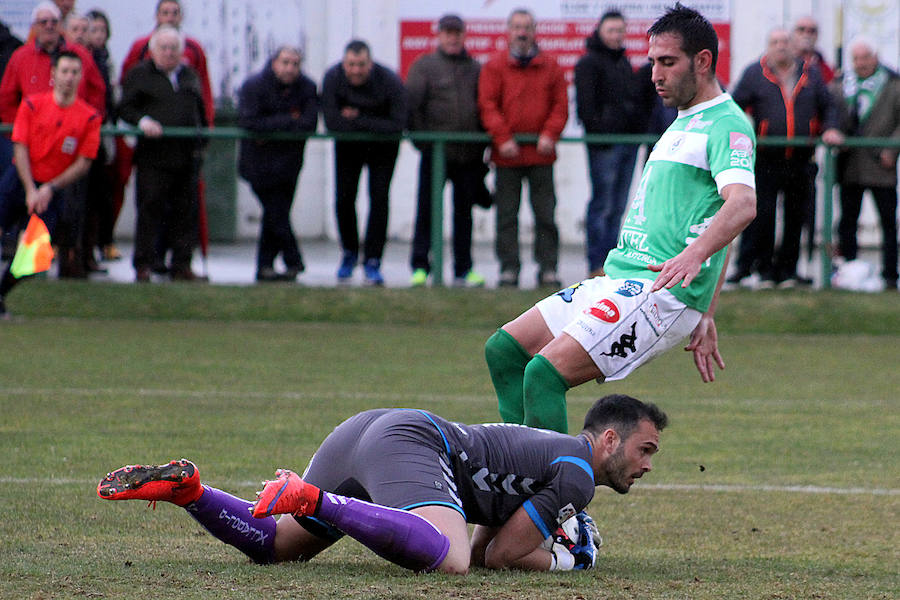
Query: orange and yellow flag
34	253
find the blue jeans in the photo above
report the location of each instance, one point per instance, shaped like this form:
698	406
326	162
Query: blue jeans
611	169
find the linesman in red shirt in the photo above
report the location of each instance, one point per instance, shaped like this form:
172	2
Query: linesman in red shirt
55	138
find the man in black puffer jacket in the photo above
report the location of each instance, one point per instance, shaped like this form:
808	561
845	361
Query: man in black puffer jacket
279	98
604	92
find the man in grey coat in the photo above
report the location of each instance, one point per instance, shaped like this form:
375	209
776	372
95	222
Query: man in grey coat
871	107
443	95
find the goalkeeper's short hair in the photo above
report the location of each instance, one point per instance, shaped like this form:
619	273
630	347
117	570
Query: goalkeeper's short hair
622	413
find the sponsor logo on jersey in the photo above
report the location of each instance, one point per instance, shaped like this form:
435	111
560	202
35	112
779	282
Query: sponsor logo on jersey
741	148
740	141
697	122
624	345
605	310
676	143
653	319
630	288
567	293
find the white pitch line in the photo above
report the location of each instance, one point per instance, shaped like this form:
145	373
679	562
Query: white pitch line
176	393
791	489
788	489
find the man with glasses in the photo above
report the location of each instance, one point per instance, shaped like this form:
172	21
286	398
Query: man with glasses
28	70
803	43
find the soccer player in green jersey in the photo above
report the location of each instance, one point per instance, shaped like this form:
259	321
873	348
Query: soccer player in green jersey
662	282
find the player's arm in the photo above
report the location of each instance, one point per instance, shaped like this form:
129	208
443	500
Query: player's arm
517	545
735	214
36	198
704	341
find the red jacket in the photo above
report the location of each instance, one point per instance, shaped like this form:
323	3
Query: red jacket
194	57
28	72
515	99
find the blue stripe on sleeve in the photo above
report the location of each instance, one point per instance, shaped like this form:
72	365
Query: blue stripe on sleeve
536	518
579	462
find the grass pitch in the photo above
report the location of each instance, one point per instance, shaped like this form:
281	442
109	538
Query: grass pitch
780	480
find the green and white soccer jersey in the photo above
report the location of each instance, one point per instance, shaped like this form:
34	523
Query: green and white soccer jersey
708	147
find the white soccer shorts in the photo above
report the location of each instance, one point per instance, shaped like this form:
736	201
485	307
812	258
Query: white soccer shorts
619	322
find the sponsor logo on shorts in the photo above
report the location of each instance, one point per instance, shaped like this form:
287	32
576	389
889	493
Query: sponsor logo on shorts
586	327
630	288
565	513
624	345
605	310
653	318
567	293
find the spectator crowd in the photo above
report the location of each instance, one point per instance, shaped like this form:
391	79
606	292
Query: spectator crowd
77	182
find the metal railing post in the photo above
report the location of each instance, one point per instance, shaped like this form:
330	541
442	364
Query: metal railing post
438	175
829	178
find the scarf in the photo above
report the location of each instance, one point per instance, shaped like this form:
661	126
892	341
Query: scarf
861	94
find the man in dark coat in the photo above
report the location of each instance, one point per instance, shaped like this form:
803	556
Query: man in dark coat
870	105
279	98
605	95
785	97
362	96
164	92
443	96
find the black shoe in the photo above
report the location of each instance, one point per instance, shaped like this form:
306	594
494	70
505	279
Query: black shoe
4	314
186	274
548	279
509	279
290	273
737	277
267	274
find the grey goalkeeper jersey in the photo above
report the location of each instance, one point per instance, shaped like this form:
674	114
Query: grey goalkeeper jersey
500	467
406	458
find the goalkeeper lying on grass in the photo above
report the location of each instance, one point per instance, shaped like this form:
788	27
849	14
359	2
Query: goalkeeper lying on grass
405	482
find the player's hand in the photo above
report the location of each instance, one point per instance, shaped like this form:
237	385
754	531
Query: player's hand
888	159
705	346
680	268
545	145
350	112
508	149
38	200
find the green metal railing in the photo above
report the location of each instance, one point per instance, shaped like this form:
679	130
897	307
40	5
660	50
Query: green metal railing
440	139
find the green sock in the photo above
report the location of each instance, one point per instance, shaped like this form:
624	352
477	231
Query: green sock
506	360
545	396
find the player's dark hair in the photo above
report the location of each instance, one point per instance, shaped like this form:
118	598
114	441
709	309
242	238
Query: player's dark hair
622	413
696	32
357	47
64	54
98	15
610	14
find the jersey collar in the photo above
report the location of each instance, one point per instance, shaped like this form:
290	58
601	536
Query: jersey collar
723	97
